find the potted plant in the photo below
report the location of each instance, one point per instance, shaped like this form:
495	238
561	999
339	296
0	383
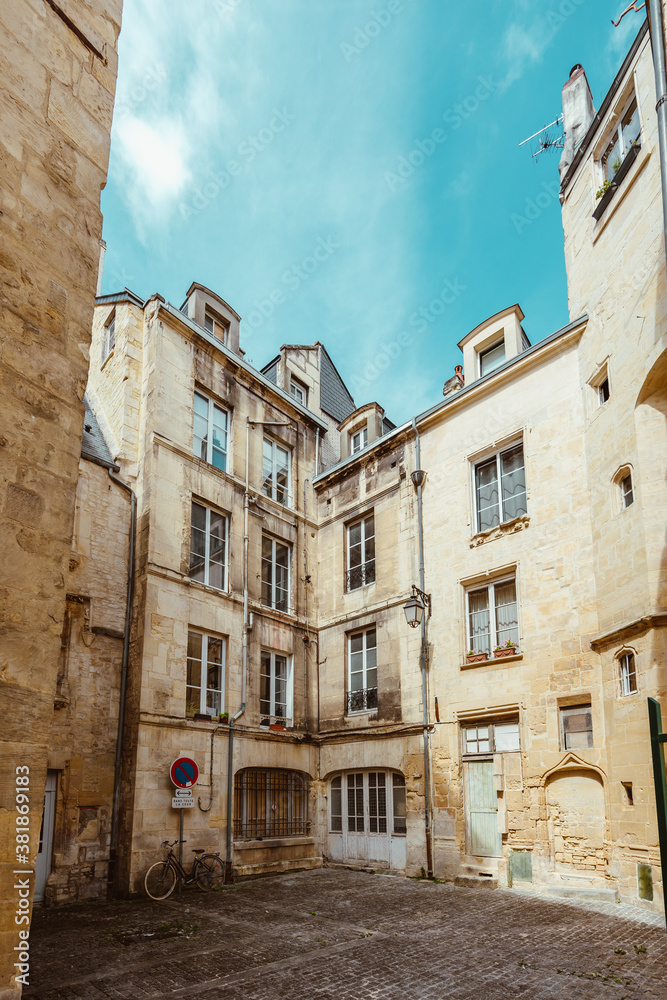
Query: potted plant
509	649
190	709
474	656
223	716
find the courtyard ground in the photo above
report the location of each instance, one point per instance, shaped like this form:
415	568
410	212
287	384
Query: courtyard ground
342	935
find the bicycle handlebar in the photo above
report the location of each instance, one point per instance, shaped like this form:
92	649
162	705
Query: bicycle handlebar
166	843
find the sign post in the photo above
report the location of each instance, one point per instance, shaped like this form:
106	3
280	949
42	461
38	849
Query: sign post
184	774
658	740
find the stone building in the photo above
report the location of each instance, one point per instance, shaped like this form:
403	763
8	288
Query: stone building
59	75
278	542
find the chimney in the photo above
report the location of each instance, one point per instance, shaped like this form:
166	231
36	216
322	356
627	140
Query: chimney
100	267
454	383
578	113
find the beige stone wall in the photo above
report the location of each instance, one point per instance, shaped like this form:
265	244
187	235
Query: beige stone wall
56	113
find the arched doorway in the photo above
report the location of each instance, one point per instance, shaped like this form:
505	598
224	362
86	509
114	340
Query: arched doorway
367	819
577	822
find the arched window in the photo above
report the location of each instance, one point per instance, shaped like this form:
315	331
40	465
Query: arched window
627	673
269	803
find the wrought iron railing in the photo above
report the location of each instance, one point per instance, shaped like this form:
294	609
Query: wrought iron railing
359	576
362	701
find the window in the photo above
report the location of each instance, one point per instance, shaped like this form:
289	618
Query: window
204	692
208	547
215	326
372	802
496	505
361	553
490	738
358	440
576	727
298	391
109	337
275	698
362	692
210	432
269	803
627	496
491	358
492	616
603	391
275	471
624	137
275	574
627	673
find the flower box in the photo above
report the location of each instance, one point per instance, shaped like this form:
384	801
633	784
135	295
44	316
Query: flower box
477	657
504	651
277	726
202	717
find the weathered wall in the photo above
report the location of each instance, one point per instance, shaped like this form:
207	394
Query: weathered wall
56	113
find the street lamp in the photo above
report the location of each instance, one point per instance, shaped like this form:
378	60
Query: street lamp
414	608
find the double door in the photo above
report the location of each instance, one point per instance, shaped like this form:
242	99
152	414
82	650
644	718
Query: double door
367	818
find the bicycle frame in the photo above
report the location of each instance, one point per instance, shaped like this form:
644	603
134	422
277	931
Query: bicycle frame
187	878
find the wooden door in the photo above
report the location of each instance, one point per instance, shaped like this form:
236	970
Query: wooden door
483	837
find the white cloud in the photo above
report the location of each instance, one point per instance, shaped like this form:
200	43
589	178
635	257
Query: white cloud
155	158
522	47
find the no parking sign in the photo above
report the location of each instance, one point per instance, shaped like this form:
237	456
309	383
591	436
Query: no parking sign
184	772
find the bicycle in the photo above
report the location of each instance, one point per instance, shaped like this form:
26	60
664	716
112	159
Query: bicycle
207	871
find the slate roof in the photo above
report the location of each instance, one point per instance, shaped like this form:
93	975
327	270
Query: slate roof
334	397
93	446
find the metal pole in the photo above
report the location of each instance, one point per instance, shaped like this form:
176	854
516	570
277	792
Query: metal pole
656	29
658	739
180	845
423	658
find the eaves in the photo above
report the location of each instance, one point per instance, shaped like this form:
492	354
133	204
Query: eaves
528	359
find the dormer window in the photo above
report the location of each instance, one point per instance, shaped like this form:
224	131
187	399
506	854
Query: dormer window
491	358
109	339
215	326
298	391
625	135
359	439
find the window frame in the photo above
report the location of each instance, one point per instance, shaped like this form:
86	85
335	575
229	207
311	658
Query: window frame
492	609
565	711
275	488
273	581
363	816
204	664
271	790
207	547
365	691
294	383
490	725
627	491
216	323
618	136
362	567
272	716
109	337
627	673
362	434
486	460
212	407
484	352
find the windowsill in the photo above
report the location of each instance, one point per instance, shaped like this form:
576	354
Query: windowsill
281	506
257	845
620	191
493	661
619	176
506	528
206	586
106	360
356	590
362	711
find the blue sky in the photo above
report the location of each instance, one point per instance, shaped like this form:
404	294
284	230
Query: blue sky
349	171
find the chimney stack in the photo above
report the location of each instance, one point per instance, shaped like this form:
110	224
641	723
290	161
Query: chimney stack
578	113
454	383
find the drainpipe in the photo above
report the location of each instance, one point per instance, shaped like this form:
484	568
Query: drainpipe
418	479
656	29
113	853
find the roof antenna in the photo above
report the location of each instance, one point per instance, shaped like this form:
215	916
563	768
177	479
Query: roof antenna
633	6
548	140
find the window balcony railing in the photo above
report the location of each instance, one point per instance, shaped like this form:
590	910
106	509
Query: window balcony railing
360	576
362	701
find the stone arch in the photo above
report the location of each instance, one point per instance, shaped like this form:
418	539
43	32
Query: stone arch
576	811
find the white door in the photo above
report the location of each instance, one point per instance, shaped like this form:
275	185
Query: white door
367	819
43	862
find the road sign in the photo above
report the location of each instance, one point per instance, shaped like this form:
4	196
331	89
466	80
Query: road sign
183	802
184	772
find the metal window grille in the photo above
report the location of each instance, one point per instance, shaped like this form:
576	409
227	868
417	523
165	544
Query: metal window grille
361	701
360	553
269	803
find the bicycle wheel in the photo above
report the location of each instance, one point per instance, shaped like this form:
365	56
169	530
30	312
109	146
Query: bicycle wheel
160	880
210	872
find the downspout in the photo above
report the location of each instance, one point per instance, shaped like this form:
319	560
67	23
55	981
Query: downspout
423	662
244	656
113	852
656	29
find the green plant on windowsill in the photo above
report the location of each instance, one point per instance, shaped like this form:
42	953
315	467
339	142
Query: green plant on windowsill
616	165
224	716
603	190
190	708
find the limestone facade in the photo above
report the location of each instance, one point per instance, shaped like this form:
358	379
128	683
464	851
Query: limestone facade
59	73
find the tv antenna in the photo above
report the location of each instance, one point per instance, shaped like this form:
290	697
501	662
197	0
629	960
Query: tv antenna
545	139
633	6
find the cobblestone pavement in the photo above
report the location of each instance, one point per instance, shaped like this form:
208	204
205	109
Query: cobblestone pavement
343	935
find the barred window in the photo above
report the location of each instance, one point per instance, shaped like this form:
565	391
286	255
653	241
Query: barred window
269	803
